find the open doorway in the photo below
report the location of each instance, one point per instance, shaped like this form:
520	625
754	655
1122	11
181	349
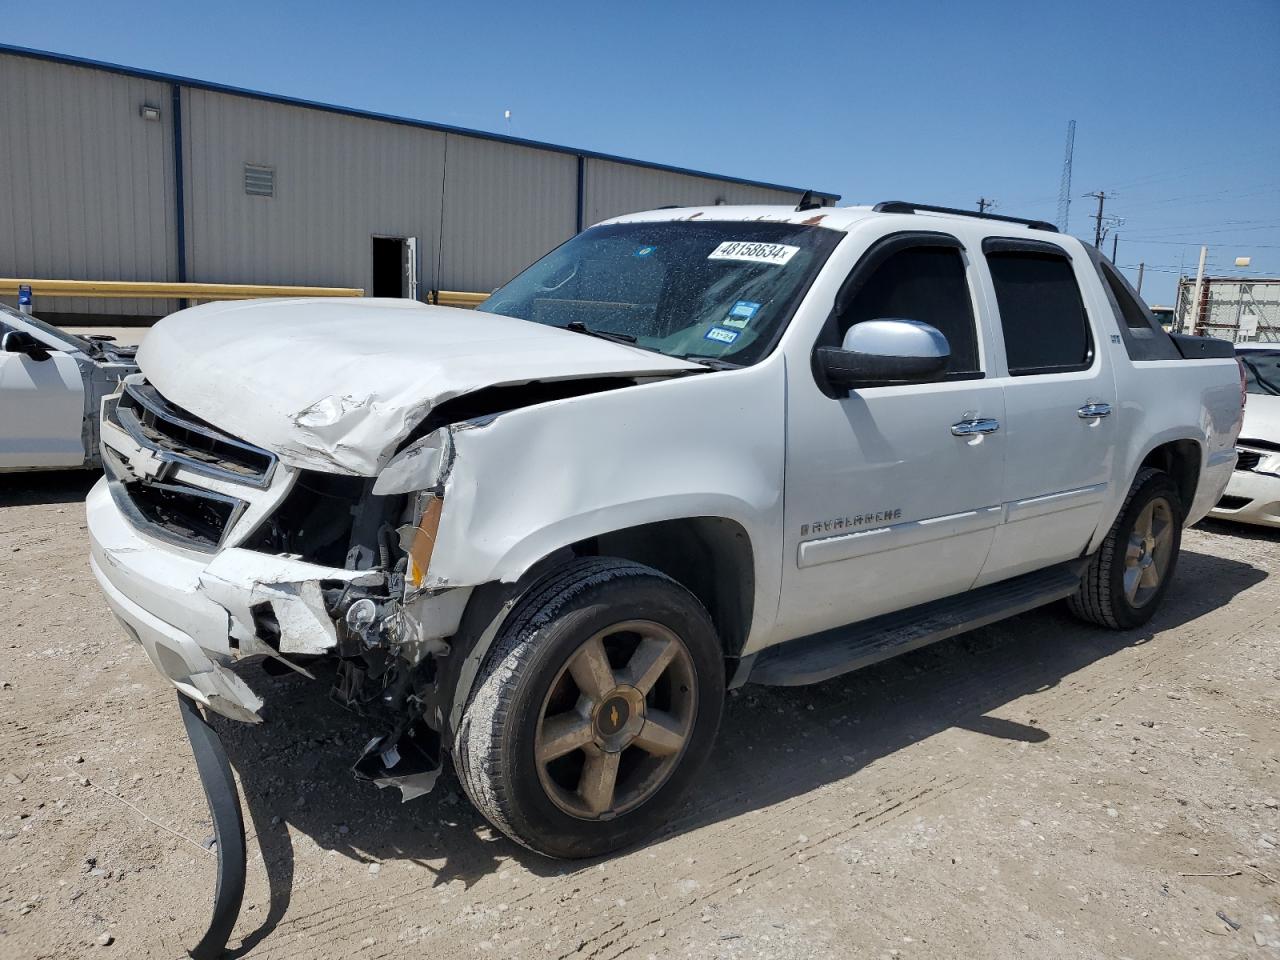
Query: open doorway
395	267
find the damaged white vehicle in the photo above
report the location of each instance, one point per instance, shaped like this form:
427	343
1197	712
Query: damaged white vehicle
51	389
686	450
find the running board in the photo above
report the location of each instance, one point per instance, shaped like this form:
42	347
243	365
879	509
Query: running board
822	656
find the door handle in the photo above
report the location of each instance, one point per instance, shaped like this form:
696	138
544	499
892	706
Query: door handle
1094	411
967	428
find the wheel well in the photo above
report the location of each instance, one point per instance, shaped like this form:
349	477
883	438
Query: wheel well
710	556
1181	460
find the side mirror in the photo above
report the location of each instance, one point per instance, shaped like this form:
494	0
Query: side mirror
19	341
885	352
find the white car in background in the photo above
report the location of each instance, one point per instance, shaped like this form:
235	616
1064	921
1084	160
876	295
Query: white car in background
1253	495
51	389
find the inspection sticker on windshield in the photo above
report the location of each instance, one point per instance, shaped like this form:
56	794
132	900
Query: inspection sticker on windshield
778	253
720	335
740	314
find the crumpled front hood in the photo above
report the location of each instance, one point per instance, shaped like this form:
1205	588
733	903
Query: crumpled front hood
1261	418
336	384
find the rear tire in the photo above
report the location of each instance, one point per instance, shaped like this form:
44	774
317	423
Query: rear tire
597	704
1129	575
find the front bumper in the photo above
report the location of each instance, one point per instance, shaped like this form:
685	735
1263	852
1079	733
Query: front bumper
1250	497
194	613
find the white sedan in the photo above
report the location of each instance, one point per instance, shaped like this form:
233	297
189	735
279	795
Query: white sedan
1253	495
51	388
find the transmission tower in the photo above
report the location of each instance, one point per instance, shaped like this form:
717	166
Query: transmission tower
1064	191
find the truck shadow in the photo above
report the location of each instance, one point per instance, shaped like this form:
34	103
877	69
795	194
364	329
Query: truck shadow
1241	531
46	486
774	744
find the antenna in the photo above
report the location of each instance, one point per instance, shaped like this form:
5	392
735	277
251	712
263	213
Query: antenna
1064	191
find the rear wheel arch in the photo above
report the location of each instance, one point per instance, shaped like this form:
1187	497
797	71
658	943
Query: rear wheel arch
1181	460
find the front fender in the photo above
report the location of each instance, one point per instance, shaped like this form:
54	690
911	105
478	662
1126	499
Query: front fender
531	481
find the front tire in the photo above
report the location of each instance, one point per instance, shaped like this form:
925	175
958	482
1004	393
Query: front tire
598	702
1129	575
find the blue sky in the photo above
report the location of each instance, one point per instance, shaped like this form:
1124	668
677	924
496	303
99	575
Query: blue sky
1177	104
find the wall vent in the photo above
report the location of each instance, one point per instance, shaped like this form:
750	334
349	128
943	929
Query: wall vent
259	181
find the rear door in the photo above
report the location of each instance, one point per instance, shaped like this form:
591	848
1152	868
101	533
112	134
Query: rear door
1061	412
888	506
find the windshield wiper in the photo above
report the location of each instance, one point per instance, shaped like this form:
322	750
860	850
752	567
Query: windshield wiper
577	326
713	363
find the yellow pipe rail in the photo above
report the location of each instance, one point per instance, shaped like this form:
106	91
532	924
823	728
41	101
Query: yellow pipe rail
459	298
168	291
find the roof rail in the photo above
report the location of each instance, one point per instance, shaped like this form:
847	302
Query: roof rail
903	206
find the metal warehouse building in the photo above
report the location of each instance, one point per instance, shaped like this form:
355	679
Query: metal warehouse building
111	173
1241	309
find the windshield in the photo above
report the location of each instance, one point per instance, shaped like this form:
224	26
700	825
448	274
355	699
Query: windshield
1262	371
11	319
720	290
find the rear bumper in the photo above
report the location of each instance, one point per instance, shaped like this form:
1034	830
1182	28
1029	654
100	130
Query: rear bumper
1251	498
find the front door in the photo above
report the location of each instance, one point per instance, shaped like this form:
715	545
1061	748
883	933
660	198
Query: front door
887	505
41	408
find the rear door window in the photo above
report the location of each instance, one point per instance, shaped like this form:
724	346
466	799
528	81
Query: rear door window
1046	329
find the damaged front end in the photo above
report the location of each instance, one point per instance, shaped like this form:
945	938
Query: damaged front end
210	550
269	560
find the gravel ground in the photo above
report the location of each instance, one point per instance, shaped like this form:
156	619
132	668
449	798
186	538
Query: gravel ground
1034	789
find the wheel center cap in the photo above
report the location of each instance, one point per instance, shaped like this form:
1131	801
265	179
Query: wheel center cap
612	717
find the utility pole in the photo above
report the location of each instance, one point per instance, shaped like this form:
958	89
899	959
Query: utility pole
1142	266
1115	242
984	204
1102	197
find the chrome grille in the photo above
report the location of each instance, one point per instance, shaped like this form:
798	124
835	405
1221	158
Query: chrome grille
175	435
174	475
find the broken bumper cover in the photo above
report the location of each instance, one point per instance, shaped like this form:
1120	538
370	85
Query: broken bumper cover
1251	497
194	613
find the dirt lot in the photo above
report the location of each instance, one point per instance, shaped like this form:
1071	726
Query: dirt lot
1034	789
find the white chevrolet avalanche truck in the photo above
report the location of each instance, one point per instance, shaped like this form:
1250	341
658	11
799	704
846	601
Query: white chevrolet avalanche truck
688	449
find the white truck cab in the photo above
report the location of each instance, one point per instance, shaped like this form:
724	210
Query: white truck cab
688	449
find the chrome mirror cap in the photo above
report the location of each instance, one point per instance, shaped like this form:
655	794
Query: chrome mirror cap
894	337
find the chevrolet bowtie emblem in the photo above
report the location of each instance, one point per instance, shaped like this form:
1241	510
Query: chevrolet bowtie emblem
613	715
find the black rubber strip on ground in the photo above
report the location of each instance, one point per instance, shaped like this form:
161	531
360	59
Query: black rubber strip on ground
228	829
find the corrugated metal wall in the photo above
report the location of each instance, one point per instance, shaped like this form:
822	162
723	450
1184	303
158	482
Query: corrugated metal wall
86	184
504	206
1235	309
87	190
617	188
339	180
